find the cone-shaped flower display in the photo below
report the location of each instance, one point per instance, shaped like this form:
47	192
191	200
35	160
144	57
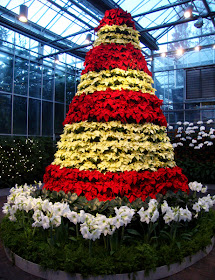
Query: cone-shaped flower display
114	142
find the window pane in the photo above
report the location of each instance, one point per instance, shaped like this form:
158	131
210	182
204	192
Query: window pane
6	72
35	80
21	76
47	118
20	115
5	113
34	117
48	80
192	116
59	118
59	86
70	88
174	117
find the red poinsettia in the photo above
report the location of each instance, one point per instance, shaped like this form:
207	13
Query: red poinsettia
107	57
116	17
131	184
120	105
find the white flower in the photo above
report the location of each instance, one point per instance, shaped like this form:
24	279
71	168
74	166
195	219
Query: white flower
117	221
195	186
55	221
169	216
164	207
196	207
5	208
144	215
186	123
199	122
170	127
199	138
209	121
45	222
178	135
194	141
180	144
202	128
174	145
155	216
179	123
191	145
185	214
73	217
197	148
212	136
190	124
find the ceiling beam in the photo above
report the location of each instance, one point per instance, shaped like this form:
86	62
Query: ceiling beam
168	24
208	10
38	37
102	5
162	8
84	10
69	13
190	38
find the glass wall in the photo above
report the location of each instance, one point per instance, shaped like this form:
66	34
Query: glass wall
34	93
170	82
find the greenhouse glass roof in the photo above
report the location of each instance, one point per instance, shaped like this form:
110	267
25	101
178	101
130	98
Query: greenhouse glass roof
63	25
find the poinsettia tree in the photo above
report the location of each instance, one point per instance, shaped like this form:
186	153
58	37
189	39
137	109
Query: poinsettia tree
114	142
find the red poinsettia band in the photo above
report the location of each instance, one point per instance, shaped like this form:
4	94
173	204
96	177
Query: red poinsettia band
112	56
120	105
131	184
116	17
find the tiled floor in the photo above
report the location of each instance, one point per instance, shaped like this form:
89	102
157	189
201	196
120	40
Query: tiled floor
202	270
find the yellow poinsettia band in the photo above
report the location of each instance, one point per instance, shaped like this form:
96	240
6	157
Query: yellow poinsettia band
118	35
100	148
115	79
121	29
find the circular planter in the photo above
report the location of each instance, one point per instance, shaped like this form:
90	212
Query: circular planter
161	272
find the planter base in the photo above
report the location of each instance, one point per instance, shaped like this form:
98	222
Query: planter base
161	272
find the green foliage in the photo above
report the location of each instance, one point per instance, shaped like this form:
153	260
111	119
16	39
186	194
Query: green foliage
24	160
61	249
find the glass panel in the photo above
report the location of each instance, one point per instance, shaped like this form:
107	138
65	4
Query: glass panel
35	80
48	80
59	85
192	116
59	118
174	117
47	118
70	88
207	115
6	36
34	117
20	115
6	72
5	113
192	105
21	76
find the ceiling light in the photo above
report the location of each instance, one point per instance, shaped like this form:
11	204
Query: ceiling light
152	58
163	54
214	46
56	58
199	23
89	37
23	13
188	12
197	48
179	51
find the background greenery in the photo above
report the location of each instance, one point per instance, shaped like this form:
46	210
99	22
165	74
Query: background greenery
24	160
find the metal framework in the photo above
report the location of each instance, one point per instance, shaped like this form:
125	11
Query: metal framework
91	11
